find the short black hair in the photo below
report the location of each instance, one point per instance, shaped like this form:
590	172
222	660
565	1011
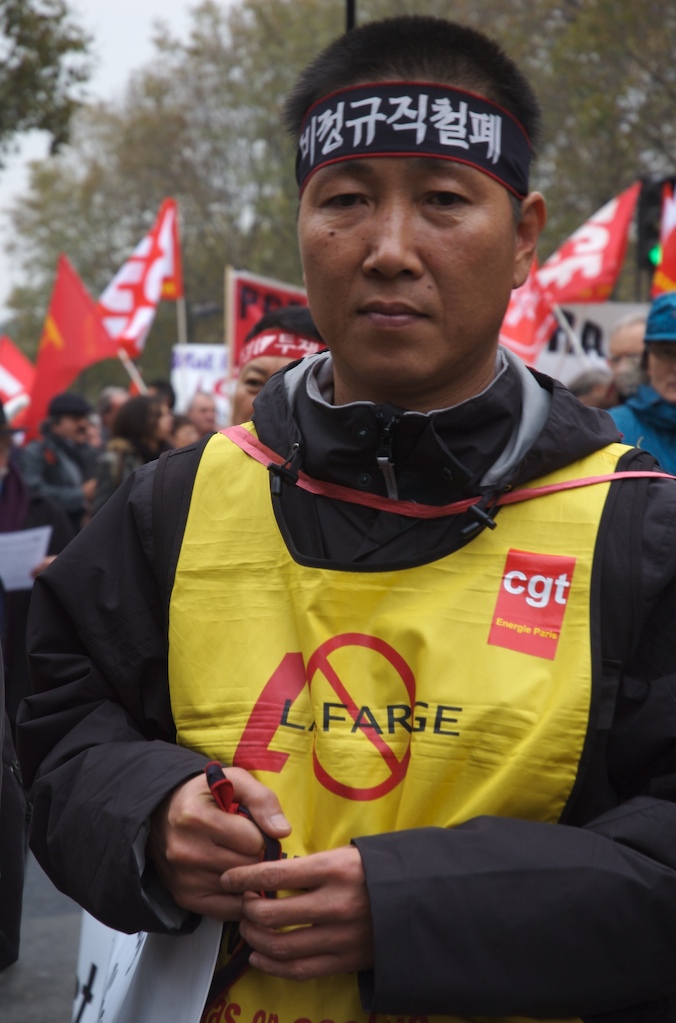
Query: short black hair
416	48
295	319
163	389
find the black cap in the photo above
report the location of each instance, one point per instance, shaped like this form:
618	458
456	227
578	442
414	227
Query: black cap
68	404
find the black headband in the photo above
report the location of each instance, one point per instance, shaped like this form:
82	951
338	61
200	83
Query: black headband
414	119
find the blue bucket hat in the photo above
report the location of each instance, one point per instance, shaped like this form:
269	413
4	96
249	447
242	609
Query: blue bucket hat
661	325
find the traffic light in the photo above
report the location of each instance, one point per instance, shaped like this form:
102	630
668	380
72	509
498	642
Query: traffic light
649	216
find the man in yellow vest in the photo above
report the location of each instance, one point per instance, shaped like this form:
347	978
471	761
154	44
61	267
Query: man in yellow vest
420	611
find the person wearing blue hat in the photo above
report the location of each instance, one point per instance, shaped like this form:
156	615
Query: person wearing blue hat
648	418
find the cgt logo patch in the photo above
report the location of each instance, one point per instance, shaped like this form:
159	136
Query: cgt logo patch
531	603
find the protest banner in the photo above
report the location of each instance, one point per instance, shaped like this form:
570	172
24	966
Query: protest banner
247	298
198	367
593	323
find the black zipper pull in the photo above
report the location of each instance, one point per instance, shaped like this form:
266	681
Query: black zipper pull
283	473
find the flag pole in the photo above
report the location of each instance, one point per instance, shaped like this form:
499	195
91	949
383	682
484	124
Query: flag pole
573	339
133	372
181	321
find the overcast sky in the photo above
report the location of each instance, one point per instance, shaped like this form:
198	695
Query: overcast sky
122	31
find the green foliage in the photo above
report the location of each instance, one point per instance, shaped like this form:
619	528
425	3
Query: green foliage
42	61
202	123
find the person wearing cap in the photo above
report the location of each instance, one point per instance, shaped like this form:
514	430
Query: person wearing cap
420	609
648	417
61	465
279	338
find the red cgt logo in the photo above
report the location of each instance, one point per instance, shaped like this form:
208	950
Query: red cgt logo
531	603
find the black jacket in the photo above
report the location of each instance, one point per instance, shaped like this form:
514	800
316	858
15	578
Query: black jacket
498	916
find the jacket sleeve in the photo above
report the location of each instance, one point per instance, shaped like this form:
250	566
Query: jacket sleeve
96	740
503	916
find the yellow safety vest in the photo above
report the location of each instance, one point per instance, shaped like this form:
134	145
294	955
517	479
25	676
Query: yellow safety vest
372	701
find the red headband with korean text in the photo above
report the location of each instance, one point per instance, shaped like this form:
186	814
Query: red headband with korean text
279	342
414	119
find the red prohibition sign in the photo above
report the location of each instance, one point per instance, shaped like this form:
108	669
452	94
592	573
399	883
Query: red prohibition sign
319	661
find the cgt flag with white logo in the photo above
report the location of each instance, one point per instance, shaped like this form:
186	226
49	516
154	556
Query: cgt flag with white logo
586	267
17	373
153	271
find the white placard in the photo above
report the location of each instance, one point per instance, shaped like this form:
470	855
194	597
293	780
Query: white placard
20	552
144	978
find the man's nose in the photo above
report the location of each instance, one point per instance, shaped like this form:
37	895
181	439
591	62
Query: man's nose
392	242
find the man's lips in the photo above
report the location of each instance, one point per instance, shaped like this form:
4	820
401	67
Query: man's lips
391	314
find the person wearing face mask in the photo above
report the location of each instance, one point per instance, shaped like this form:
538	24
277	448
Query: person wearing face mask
279	337
647	418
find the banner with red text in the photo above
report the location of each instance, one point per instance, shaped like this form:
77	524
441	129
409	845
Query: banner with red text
586	267
17	373
152	272
248	297
664	278
529	320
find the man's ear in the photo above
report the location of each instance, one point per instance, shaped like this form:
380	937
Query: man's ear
533	219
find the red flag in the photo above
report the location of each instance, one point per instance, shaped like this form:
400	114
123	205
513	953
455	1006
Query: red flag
73	337
588	264
529	320
153	271
16	378
664	278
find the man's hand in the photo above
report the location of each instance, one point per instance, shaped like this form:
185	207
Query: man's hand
88	489
42	565
329	910
192	841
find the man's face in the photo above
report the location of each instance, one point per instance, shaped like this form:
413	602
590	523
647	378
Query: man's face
203	414
73	428
662	368
115	404
251	379
409	263
625	350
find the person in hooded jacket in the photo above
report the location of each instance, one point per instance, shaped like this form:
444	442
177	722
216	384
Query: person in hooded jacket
648	417
421	610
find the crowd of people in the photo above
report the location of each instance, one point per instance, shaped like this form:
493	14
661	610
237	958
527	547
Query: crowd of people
412	613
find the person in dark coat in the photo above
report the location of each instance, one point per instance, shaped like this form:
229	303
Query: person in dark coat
61	465
420	611
19	510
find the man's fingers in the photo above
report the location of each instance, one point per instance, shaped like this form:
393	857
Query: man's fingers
260	801
339	866
309	951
